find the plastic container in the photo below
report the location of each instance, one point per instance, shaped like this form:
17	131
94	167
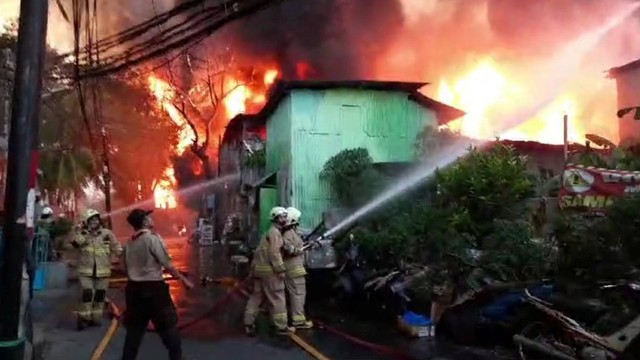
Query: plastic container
416	325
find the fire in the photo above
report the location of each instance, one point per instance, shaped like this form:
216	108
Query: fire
163	194
165	95
240	94
487	90
239	97
270	76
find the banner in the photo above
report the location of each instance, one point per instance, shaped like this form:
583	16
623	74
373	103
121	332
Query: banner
595	188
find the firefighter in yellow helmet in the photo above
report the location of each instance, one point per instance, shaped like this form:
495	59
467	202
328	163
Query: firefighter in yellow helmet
97	247
268	272
295	282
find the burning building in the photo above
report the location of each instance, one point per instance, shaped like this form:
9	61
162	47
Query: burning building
627	79
307	122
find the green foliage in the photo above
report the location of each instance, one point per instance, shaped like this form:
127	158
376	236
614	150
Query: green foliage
141	137
432	139
351	176
67	171
595	248
511	252
478	203
256	160
482	186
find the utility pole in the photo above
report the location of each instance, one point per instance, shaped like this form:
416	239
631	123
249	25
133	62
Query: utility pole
565	137
27	88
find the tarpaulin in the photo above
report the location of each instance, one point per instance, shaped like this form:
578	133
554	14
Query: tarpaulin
595	188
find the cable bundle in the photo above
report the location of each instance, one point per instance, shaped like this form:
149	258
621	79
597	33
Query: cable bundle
194	22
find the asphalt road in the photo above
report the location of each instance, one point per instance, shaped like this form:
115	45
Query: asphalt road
218	334
225	325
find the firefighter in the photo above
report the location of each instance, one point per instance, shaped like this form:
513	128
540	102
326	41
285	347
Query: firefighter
267	273
97	247
295	282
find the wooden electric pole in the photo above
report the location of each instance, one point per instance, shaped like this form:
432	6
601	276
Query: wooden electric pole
23	135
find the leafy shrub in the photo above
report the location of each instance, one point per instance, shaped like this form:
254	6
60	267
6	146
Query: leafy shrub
596	248
256	160
483	186
351	176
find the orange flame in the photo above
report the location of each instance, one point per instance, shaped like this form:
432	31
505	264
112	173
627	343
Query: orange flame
239	96
165	95
486	90
163	194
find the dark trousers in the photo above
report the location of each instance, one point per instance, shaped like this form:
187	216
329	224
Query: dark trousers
150	301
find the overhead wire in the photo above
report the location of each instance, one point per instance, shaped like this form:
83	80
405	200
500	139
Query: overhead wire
184	34
77	10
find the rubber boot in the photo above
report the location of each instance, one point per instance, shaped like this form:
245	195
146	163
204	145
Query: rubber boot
250	330
81	323
286	331
308	324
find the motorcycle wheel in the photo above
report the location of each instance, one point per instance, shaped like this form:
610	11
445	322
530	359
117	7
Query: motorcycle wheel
541	333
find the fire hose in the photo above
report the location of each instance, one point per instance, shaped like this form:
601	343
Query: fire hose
239	289
117	317
386	350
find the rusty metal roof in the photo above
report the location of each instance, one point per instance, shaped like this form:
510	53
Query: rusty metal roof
614	72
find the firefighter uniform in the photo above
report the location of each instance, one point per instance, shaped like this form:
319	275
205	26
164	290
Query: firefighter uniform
97	247
268	270
295	281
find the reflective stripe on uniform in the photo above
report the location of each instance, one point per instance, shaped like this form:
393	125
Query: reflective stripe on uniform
297	271
279	267
280	316
299	318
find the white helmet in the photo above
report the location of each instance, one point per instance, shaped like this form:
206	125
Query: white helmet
89	214
47	211
293	216
277	211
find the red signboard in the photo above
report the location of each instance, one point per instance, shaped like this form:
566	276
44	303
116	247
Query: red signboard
595	188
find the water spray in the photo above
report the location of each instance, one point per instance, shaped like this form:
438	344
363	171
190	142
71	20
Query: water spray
556	75
185	191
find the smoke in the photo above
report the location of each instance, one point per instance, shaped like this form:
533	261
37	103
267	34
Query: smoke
442	36
113	16
320	38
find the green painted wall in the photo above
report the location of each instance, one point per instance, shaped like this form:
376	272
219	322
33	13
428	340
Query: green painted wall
322	123
268	199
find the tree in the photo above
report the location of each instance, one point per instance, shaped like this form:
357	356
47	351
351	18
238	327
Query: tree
200	94
140	137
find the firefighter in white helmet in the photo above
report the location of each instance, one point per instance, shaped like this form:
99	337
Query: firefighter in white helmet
295	282
97	247
268	272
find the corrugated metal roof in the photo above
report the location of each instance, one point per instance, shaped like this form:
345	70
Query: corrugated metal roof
445	112
614	72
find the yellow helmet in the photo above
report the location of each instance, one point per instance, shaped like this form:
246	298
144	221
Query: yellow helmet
277	211
293	216
89	214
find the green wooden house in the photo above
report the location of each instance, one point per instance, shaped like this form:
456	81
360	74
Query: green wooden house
308	122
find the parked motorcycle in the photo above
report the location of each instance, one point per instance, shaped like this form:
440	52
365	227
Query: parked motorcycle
384	292
558	336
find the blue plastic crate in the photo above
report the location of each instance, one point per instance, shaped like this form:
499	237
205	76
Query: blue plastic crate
40	279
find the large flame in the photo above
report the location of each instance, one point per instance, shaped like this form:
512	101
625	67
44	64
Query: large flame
516	67
487	90
239	97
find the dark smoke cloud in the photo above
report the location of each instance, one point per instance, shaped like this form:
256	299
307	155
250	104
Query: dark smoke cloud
332	36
